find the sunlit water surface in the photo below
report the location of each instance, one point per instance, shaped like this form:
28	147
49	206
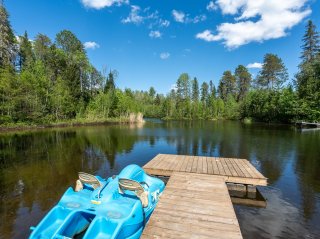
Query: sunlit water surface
37	167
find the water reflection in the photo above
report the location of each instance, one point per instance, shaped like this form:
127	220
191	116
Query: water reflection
37	167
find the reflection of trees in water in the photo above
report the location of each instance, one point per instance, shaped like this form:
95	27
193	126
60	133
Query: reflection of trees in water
308	167
36	168
46	162
192	138
272	147
230	139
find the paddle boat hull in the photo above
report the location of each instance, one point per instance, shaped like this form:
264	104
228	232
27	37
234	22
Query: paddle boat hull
117	207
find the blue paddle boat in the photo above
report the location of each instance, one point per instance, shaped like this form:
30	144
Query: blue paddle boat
117	207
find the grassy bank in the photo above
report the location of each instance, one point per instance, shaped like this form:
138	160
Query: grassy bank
67	123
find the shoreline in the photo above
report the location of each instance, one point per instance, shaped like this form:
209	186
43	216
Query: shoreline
114	121
25	127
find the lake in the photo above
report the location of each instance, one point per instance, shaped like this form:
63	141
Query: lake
36	167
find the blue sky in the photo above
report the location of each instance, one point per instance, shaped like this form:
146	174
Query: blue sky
150	43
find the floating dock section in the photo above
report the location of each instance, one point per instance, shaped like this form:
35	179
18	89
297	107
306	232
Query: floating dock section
232	170
307	124
196	201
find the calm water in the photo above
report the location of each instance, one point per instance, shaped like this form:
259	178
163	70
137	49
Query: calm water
37	167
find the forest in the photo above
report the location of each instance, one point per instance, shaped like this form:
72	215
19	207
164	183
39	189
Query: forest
45	81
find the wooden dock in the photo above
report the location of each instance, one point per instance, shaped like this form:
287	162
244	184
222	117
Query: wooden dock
232	170
196	201
303	124
194	206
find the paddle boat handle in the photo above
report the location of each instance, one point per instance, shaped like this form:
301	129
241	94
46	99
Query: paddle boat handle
99	193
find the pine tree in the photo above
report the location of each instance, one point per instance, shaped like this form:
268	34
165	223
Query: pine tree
183	86
152	92
310	45
273	73
76	65
110	85
183	96
227	85
212	90
68	42
204	92
7	39
243	78
42	45
195	90
26	55
308	77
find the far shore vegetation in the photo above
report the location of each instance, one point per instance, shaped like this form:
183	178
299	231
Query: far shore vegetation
46	81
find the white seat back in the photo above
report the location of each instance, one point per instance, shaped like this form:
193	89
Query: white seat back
136	187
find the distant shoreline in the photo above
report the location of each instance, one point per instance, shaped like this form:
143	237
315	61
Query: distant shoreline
111	121
25	127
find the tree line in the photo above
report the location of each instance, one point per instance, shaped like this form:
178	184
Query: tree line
269	97
44	81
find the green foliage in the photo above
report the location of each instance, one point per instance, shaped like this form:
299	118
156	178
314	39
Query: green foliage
308	78
7	93
195	90
308	87
25	54
310	45
270	106
152	92
7	40
55	82
273	73
204	93
100	106
61	100
227	85
110	84
231	108
243	79
41	47
69	43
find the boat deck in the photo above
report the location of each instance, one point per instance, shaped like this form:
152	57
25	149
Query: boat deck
232	170
194	206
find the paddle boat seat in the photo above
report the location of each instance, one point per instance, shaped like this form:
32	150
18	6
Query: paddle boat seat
89	180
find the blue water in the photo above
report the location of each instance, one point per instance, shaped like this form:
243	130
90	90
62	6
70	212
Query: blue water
36	167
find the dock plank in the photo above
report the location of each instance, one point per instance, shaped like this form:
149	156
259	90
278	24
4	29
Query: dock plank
189	166
233	170
210	166
194	206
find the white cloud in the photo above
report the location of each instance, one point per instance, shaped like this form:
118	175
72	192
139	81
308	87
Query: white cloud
197	19
158	22
212	6
155	34
232	6
164	23
98	4
178	16
91	45
256	65
184	18
274	19
164	55
134	16
206	36
140	16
